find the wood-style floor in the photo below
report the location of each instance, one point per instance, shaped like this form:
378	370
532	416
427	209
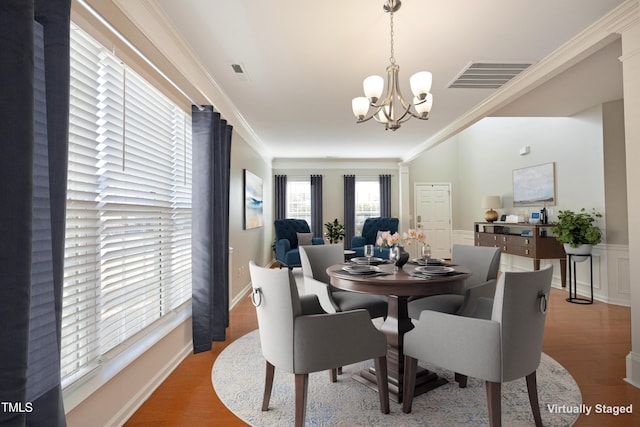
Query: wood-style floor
591	341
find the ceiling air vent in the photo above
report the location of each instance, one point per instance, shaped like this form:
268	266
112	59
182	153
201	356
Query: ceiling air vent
488	75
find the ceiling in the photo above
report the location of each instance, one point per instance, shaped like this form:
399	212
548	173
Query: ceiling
305	60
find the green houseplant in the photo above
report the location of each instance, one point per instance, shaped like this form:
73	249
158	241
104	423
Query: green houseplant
577	230
335	231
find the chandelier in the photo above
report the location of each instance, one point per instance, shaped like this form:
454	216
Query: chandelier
392	110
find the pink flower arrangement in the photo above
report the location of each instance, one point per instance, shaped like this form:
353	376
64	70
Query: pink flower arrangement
386	239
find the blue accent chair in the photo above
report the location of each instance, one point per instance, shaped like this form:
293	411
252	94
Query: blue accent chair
370	233
287	253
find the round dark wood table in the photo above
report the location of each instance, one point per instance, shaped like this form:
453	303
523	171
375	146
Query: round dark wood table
398	287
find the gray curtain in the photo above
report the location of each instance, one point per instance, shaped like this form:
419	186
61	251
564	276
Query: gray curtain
349	209
385	195
316	205
34	127
281	196
211	138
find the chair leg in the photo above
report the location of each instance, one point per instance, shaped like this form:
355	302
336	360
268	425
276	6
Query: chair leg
410	370
333	375
461	380
532	388
494	404
383	383
302	384
268	386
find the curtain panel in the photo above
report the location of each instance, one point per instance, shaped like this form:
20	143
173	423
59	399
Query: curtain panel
281	196
34	127
211	140
385	195
349	209
316	205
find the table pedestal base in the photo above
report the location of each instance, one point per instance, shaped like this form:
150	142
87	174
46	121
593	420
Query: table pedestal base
425	381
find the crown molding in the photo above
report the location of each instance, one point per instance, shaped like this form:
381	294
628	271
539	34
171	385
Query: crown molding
595	37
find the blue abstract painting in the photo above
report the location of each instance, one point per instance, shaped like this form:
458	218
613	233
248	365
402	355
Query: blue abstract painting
253	215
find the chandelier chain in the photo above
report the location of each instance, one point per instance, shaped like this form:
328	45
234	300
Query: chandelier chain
392	58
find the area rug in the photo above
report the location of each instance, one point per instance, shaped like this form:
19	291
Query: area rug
238	378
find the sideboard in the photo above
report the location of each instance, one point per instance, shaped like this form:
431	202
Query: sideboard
526	240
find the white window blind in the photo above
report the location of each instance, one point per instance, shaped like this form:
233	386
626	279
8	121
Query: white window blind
299	199
367	202
128	238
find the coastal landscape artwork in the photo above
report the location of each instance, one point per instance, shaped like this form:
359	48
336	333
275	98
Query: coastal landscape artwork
253	215
534	185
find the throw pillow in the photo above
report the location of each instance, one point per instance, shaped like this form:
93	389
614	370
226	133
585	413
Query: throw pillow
304	239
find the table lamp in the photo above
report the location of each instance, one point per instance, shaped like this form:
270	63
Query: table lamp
491	203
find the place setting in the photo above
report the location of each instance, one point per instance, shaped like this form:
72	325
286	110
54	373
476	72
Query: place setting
433	271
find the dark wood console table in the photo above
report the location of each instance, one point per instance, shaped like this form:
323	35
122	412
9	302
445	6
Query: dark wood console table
527	240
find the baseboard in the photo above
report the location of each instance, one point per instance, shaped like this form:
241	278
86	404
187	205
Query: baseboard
138	399
633	369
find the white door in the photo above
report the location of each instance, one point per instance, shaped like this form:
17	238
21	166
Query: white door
433	215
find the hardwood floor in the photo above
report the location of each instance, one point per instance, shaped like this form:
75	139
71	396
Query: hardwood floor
591	341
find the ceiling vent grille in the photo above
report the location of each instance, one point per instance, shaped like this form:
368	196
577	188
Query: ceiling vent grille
488	75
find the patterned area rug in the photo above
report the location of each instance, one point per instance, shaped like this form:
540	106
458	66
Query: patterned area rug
238	378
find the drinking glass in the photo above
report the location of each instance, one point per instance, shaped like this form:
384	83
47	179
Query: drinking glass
393	256
368	252
425	252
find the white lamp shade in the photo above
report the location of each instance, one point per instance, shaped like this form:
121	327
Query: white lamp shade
421	84
382	118
360	106
423	107
491	202
373	86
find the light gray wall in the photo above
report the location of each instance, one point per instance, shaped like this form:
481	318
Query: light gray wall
247	244
480	161
615	173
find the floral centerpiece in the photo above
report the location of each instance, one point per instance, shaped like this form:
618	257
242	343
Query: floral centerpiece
397	242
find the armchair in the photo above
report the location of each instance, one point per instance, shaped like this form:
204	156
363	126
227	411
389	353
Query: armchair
504	348
300	344
315	261
287	253
483	262
369	235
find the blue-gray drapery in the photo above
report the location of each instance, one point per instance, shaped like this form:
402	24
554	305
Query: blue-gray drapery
211	138
281	196
349	209
385	195
34	127
316	205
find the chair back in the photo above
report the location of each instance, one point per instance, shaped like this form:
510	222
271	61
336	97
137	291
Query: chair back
315	260
520	308
482	261
287	229
372	225
277	302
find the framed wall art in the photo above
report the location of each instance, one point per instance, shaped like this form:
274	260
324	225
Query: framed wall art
253	214
534	185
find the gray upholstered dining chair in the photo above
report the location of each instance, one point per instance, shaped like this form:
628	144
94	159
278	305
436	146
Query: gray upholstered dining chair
315	260
502	349
301	344
483	262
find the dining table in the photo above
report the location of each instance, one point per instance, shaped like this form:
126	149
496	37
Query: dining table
399	285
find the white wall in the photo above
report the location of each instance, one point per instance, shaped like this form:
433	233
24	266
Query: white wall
480	161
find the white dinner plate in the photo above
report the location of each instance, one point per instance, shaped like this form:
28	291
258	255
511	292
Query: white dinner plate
363	260
435	269
361	269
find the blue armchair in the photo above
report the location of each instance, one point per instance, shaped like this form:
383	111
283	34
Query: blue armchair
287	253
370	233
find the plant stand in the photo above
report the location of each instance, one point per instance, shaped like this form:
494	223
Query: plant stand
573	280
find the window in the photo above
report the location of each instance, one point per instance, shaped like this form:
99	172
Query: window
367	202
299	199
128	233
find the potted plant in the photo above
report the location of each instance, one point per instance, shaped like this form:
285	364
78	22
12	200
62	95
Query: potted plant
577	231
335	231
